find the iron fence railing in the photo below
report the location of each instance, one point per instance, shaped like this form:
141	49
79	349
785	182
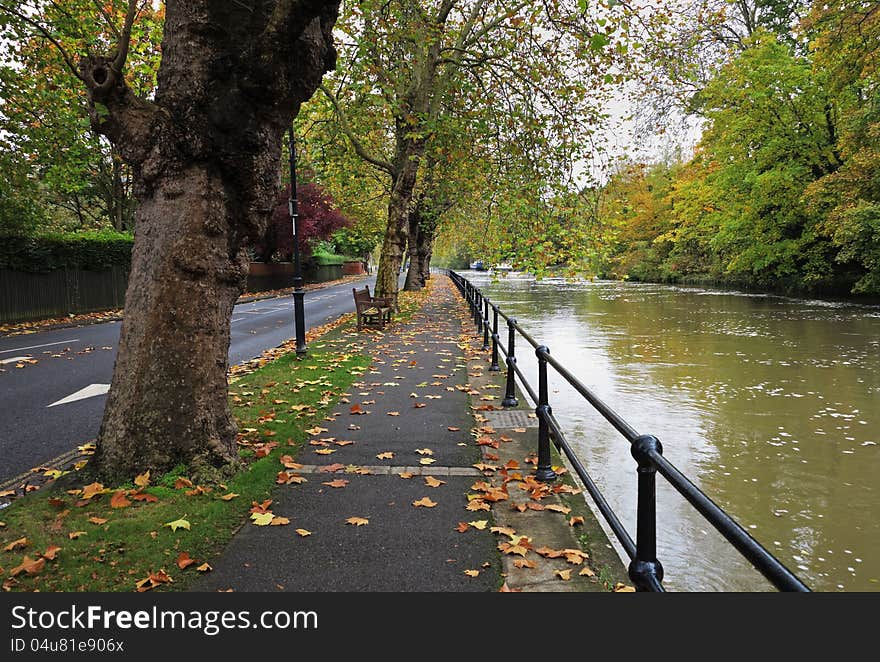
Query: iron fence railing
645	570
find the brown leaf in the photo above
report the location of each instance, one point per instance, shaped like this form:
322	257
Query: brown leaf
181	482
511	464
623	588
357	410
316	430
143	496
184	561
279	521
29	566
228	497
586	572
303	532
503	530
564	575
406	475
556	508
549	553
16	544
118	500
339	482
73	535
574	521
288	462
387	455
98	520
91	490
520	430
7	493
524	563
331	468
357	521
419	405
424	502
462	527
260	507
143	479
430	481
56	502
477	504
424	451
51	552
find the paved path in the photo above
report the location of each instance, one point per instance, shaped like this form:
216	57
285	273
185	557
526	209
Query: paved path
403	547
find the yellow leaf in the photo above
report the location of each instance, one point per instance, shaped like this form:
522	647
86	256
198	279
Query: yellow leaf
325	451
262	519
303	532
427	460
143	479
424	451
623	588
424	502
205	567
316	430
357	521
16	544
504	530
228	497
472	573
430	481
564	575
479	524
586	572
97	520
73	535
557	508
385	456
178	524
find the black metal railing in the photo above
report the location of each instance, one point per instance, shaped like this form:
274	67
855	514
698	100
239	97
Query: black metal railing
645	570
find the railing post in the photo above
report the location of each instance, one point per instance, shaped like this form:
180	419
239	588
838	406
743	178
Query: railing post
510	390
544	471
485	317
493	367
645	570
478	311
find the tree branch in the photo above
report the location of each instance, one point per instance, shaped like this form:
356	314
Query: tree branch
42	30
359	149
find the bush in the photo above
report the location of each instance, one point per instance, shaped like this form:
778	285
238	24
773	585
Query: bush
91	251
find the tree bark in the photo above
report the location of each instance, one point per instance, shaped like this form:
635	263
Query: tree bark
414	280
206	158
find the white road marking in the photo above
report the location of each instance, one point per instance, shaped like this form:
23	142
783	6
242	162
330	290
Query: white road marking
89	391
14	359
48	344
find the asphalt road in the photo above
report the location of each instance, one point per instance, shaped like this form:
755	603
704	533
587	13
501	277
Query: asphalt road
35	428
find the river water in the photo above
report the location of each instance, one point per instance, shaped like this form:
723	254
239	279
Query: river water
769	404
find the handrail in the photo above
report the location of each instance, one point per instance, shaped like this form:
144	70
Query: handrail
645	570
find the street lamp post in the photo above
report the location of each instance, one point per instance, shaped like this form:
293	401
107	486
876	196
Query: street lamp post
293	206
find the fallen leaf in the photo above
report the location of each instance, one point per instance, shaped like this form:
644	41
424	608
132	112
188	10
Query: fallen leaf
385	456
303	532
330	468
357	521
279	521
91	490
520	430
143	479
477	504
586	572
16	544
73	535
406	475
228	497
623	588
260	507
524	563
427	460
453	428
316	430
55	502
51	551
184	561
424	502
472	573
424	451
479	524
98	520
574	521
357	410
556	508
462	527
419	405
7	493
430	481
394	413
177	524
339	482
118	500
503	530
325	451
564	575
143	496
29	566
262	519
205	567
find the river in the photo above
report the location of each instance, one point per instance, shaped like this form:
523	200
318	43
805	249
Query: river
768	403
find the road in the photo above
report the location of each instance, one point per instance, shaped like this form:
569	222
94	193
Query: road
49	407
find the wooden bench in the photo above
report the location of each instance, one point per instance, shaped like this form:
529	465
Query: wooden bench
371	311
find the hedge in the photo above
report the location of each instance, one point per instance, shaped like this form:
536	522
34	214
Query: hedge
328	259
91	251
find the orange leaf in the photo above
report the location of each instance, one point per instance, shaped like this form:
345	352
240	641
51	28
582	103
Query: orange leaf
91	490
16	544
623	588
97	520
260	507
424	502
575	521
325	451
564	575
55	502
406	475
51	551
586	572
184	561
357	521
511	464
142	480
29	565
118	500
73	535
339	482
556	508
462	527
524	563
142	496
357	410
430	481
182	482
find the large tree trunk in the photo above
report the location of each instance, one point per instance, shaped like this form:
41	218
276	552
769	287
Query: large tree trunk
206	156
426	251
413	275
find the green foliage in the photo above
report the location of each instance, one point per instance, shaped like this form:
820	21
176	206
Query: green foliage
94	251
357	241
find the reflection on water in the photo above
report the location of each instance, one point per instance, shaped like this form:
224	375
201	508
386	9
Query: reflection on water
768	403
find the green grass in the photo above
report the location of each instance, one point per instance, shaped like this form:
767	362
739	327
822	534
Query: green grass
134	541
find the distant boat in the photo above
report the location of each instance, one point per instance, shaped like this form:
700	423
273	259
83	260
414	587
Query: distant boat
478	266
502	267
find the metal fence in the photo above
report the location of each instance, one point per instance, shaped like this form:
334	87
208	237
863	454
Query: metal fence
645	570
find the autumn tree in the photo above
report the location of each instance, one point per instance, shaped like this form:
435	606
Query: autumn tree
205	152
